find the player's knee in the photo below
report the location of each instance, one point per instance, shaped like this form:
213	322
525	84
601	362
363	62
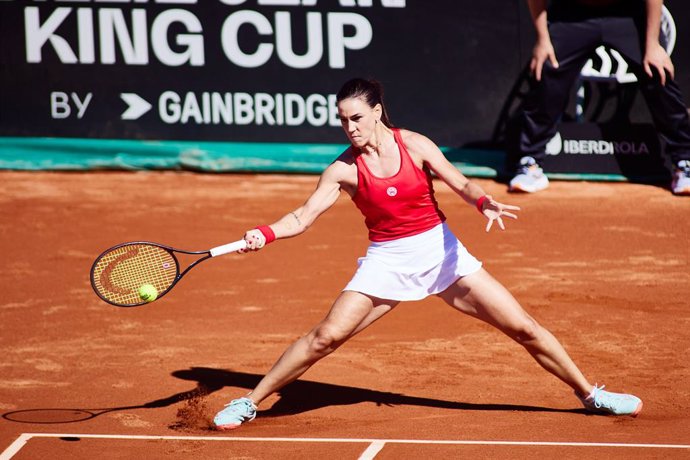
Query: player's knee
322	340
527	331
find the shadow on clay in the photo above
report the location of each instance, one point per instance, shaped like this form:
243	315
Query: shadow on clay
297	397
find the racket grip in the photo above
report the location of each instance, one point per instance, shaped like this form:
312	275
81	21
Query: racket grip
228	248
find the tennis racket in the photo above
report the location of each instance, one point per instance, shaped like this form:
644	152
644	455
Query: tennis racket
119	273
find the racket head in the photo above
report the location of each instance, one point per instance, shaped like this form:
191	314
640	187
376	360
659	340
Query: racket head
119	272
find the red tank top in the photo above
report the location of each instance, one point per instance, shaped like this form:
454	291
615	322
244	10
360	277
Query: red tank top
397	206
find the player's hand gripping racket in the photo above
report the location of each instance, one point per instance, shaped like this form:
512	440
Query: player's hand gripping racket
139	272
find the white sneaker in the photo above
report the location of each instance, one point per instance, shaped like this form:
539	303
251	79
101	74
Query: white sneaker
530	177
681	178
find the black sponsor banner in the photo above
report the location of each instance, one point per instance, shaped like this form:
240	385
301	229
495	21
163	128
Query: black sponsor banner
249	70
267	70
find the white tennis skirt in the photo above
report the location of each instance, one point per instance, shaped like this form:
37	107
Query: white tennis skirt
413	267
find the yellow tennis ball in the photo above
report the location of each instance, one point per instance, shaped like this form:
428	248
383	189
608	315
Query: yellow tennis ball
148	292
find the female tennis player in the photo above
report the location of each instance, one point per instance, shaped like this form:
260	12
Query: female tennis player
413	254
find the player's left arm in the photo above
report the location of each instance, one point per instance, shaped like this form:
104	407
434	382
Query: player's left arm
654	54
426	151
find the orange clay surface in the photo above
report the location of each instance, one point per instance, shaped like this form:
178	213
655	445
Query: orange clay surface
605	267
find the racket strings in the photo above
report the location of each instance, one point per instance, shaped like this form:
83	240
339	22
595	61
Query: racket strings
120	273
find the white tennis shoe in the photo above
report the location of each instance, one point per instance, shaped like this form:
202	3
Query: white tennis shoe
530	177
681	178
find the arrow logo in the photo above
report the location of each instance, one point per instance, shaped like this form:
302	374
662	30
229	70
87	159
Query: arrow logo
137	106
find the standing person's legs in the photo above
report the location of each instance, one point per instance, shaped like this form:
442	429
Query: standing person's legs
480	295
351	313
669	114
546	101
666	105
672	123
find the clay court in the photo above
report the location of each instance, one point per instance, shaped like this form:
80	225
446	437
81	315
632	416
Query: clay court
605	266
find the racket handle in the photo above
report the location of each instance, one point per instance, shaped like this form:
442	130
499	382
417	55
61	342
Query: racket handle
228	248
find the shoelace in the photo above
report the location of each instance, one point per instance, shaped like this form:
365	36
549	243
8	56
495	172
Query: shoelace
246	404
601	399
530	170
528	166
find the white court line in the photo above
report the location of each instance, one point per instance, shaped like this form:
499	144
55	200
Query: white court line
15	447
372	451
375	444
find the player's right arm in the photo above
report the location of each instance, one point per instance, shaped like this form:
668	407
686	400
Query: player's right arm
543	48
299	220
324	196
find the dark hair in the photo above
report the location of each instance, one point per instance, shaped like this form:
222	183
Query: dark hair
370	91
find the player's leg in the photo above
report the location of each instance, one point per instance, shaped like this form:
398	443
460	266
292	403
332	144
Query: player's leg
351	313
482	296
